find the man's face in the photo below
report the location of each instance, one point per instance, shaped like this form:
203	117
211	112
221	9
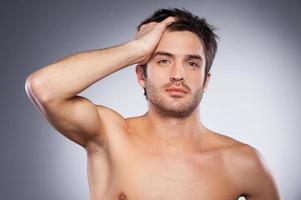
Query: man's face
175	74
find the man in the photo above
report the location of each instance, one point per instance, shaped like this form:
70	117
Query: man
167	153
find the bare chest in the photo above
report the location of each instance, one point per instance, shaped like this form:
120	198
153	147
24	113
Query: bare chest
137	174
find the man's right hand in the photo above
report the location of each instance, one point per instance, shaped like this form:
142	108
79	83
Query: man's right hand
149	36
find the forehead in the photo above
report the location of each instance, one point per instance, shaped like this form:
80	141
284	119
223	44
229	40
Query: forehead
181	43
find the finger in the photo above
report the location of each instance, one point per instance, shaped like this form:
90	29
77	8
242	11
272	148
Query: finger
142	27
168	20
150	24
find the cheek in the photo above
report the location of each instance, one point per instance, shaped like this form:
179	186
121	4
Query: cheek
195	79
157	76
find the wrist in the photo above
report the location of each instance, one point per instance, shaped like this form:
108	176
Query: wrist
140	52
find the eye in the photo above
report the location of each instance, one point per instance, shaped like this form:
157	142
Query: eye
163	61
193	64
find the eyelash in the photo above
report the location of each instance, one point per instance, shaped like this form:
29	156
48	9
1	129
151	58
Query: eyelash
195	64
160	61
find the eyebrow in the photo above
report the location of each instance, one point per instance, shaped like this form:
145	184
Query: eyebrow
189	56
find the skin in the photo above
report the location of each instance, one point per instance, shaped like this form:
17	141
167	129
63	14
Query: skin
167	153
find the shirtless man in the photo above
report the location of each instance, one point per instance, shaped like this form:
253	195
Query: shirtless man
167	153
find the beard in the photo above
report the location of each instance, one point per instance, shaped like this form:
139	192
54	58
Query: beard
173	106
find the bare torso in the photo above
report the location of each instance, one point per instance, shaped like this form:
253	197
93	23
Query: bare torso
131	167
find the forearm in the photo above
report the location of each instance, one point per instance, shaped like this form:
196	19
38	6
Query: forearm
71	75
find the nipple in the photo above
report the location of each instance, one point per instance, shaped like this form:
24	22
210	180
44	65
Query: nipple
122	196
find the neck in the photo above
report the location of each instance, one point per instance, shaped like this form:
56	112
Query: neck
172	131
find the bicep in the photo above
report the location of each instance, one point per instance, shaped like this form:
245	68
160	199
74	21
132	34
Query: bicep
76	118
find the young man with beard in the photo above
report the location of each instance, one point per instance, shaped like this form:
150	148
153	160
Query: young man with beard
167	153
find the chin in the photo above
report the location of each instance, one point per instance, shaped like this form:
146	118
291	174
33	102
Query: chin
178	108
176	112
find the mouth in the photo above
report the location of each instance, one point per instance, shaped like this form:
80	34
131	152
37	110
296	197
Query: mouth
177	92
177	89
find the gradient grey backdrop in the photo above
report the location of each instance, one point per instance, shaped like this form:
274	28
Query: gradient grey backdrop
254	94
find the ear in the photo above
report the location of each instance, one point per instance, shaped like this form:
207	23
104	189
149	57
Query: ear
140	76
207	82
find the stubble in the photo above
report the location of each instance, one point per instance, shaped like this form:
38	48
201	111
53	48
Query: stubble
173	106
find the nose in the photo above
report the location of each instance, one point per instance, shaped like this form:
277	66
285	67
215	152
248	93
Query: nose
177	73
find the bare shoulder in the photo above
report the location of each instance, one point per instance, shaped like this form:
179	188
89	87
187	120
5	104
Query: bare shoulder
110	116
223	143
239	154
112	123
243	157
248	169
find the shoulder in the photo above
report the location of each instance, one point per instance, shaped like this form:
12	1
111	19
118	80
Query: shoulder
109	116
245	160
114	124
243	154
237	155
241	159
232	148
221	142
111	123
248	169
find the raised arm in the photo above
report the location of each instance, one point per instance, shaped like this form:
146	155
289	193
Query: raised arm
54	89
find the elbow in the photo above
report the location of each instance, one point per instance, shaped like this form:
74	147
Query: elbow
34	89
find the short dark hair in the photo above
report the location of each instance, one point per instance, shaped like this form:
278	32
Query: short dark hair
186	21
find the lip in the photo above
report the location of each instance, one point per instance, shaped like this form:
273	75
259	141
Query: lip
176	90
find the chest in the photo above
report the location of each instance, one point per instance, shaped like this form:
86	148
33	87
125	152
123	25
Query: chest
142	174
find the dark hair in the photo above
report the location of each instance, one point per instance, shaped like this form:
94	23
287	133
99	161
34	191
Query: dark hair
186	21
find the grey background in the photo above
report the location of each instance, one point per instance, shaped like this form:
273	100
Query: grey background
253	96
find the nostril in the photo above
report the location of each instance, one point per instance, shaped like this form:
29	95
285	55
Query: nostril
173	79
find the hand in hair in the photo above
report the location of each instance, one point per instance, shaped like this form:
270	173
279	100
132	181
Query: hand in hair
149	36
